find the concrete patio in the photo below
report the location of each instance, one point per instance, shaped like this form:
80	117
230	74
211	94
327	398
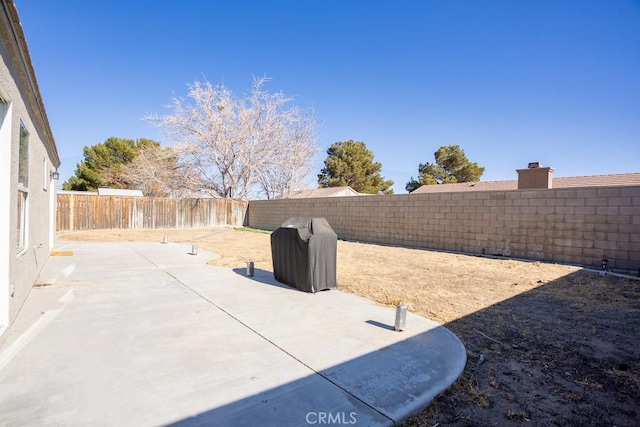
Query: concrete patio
147	334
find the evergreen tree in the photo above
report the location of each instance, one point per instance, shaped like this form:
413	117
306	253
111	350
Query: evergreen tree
103	164
451	166
351	163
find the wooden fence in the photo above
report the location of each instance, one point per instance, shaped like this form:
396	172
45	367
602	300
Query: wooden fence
92	212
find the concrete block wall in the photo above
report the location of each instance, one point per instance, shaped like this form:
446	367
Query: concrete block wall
570	225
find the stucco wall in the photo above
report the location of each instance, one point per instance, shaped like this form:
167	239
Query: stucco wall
578	225
16	89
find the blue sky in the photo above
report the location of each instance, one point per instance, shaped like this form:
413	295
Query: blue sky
509	81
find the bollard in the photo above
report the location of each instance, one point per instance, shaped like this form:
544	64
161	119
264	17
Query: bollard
250	269
194	249
401	317
165	239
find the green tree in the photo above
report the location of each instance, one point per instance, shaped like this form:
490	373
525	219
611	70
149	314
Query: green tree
103	164
451	166
351	163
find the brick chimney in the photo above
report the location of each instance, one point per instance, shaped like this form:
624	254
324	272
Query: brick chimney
535	176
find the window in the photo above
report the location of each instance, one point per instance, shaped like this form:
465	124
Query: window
23	188
23	161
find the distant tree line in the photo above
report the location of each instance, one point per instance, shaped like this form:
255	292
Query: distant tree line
156	170
256	145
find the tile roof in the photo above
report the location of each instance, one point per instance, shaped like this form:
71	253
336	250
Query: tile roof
598	180
325	192
623	179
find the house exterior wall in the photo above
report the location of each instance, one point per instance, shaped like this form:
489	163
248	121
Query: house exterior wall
578	225
5	209
20	97
346	192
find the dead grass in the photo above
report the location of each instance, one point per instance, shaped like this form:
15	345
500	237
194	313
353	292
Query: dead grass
517	416
438	285
547	344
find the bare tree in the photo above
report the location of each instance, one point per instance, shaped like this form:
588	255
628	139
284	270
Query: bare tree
237	146
293	156
156	172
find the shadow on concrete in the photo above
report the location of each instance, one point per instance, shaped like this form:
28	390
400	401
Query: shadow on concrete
376	389
263	276
267	278
569	346
381	325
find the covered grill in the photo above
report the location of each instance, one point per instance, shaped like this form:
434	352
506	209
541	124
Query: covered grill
304	252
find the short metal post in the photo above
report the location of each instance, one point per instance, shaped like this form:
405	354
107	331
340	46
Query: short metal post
194	249
250	269
401	317
605	263
165	239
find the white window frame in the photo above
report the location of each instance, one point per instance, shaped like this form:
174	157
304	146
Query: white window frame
23	196
23	219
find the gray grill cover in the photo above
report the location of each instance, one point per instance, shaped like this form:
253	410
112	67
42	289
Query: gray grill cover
304	252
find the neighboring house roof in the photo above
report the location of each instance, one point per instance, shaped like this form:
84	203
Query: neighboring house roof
79	193
469	186
629	179
598	180
29	82
326	192
119	192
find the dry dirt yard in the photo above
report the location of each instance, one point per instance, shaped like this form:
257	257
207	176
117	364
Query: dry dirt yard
546	344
